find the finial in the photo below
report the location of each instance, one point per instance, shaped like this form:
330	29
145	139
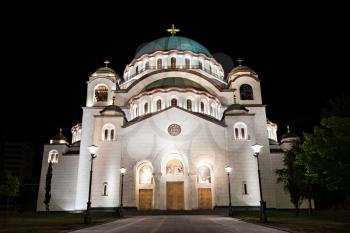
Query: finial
106	62
113	100
60	131
234	99
288	129
239	60
173	30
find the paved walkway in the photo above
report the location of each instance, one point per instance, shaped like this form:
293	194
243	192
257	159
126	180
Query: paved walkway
178	224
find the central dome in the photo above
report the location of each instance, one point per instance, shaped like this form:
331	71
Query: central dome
172	42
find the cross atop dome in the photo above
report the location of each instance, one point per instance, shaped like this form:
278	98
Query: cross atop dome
239	60
106	62
173	30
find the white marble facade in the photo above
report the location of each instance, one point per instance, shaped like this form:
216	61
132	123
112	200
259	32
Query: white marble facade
174	120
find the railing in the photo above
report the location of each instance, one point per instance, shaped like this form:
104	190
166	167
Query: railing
208	71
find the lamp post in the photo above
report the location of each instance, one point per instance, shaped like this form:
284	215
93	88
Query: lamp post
263	216
87	218
120	209
228	170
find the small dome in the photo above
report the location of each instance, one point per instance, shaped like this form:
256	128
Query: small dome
113	110
289	134
236	107
59	139
170	43
241	68
173	82
105	72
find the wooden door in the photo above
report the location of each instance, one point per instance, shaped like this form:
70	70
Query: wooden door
145	199
175	195
204	198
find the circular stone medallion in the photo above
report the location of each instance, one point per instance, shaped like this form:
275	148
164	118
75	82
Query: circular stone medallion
174	129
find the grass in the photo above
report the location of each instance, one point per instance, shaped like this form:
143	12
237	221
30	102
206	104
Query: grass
337	221
53	223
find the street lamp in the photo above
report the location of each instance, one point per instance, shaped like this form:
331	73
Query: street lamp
87	218
120	209
263	215
228	170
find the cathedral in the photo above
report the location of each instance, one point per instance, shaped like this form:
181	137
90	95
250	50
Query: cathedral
176	130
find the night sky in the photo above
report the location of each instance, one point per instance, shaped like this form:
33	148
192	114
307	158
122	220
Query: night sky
300	53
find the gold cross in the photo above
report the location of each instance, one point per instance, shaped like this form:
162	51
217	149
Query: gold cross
239	60
106	62
173	30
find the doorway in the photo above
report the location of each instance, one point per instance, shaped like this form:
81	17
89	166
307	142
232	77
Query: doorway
175	195
145	199
204	198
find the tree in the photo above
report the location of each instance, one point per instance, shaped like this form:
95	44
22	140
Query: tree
327	154
292	177
48	188
326	151
10	188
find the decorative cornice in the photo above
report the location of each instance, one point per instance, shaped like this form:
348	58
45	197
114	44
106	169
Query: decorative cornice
160	52
166	90
146	116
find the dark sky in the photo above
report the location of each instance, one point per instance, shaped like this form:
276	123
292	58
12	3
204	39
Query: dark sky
300	53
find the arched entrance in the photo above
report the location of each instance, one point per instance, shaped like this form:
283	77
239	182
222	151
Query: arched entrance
145	185
204	187
175	188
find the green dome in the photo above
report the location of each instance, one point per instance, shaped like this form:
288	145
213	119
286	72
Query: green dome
173	82
172	42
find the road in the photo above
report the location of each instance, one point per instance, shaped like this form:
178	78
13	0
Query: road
178	224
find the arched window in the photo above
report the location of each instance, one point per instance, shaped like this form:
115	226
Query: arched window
147	66
240	131
187	63
200	65
101	93
174	167
174	102
145	108
53	156
108	132
136	70
145	174
189	105
213	109
245	188
246	92
159	105
202	107
112	134
204	176
105	185
159	63
173	62
105	138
